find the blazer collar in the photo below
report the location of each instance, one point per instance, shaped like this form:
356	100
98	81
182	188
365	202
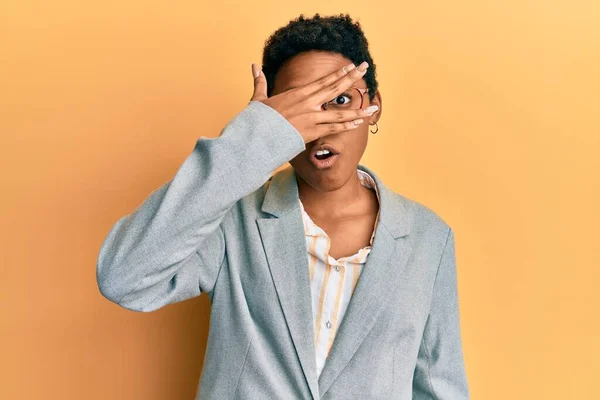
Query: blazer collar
285	249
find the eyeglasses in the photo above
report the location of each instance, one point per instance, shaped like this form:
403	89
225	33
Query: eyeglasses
351	99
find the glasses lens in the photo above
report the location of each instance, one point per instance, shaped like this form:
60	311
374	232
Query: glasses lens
349	100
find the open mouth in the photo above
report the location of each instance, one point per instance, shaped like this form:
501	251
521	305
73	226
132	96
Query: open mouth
324	156
323	152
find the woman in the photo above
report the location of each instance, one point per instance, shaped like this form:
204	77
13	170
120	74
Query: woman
322	250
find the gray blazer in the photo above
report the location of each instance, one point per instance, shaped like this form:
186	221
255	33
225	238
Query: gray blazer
225	226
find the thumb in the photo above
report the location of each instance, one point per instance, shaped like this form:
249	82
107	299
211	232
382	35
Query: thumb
260	84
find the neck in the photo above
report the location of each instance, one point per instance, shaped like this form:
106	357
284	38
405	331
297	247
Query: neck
331	204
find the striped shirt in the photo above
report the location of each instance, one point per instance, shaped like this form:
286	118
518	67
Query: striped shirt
332	281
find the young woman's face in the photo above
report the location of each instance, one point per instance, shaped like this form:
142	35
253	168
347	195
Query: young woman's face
305	68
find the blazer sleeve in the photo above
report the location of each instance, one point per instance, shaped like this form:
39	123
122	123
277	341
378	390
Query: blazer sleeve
172	246
440	371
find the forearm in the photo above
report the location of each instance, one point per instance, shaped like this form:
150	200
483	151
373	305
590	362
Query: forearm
149	245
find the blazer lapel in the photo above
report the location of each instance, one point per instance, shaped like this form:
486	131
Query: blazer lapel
386	261
285	247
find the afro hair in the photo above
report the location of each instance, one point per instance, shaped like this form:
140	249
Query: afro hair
337	34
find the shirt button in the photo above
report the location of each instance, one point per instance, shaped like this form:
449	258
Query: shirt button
328	324
337	268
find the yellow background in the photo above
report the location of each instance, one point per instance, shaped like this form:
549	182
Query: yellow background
491	118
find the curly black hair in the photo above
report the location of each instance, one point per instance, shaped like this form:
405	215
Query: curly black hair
338	34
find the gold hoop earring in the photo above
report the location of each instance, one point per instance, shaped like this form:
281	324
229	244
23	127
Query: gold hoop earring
376	129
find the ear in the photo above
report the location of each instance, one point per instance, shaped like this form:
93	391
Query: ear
378	102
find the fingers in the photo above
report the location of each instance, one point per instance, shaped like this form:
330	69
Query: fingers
260	84
326	80
330	129
336	116
329	92
330	122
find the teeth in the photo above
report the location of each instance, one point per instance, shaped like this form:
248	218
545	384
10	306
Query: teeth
322	152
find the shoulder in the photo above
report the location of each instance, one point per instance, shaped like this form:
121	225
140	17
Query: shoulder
424	220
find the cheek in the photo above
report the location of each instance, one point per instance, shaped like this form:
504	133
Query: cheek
355	141
363	130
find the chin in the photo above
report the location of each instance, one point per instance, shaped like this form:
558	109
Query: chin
326	180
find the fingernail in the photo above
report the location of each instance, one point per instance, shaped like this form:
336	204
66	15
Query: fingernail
363	66
349	67
255	70
371	109
357	121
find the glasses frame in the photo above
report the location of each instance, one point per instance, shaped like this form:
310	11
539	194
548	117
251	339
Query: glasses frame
362	92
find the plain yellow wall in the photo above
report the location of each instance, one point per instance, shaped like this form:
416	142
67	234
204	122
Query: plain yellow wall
491	118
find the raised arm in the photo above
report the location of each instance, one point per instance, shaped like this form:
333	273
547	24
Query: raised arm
172	246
